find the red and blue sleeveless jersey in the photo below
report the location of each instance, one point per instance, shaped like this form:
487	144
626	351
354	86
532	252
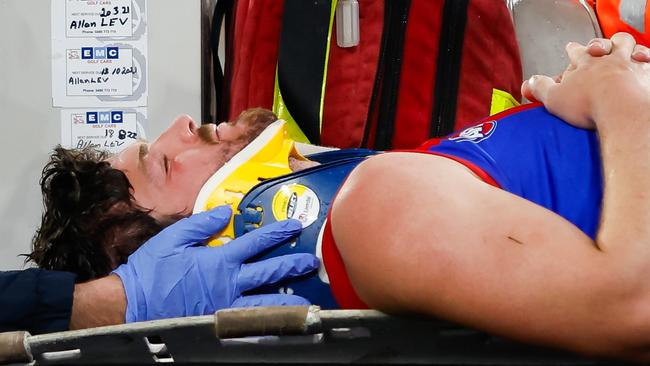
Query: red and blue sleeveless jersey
525	151
535	155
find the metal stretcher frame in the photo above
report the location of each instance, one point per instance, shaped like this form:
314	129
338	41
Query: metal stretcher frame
280	335
307	334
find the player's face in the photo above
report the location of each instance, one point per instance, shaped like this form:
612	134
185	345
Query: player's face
168	173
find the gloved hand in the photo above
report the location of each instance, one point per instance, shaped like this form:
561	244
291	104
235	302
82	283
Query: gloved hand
173	274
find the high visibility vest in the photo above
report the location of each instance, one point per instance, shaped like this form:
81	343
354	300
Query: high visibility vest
631	16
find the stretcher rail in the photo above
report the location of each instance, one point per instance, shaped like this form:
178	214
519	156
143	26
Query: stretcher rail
279	335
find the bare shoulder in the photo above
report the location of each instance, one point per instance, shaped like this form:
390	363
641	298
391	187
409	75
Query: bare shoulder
396	184
423	196
422	233
397	198
385	175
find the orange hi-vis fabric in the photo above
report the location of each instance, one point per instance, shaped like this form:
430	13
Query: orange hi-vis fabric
631	16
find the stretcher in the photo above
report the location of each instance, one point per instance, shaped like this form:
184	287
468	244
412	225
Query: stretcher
297	334
308	334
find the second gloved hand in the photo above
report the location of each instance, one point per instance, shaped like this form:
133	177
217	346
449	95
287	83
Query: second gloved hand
174	275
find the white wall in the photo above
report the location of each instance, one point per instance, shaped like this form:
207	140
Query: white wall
29	126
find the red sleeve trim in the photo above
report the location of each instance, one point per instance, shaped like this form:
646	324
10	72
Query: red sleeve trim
340	285
435	141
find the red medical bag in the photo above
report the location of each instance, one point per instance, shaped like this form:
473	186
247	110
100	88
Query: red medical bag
422	68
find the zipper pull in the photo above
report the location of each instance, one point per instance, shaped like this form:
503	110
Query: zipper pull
347	23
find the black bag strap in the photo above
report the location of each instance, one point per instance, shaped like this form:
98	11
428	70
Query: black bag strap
222	13
302	61
389	68
450	54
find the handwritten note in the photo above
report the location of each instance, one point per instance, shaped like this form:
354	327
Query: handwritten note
103	129
100	71
99	53
99	18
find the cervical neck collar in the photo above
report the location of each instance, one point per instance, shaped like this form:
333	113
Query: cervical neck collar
261	189
265	157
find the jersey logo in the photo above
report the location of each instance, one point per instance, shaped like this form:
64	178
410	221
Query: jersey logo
476	133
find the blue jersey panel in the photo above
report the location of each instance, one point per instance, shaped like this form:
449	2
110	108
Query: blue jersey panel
539	157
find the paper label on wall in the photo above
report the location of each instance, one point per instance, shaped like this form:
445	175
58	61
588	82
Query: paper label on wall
103	129
93	73
99	53
100	71
99	19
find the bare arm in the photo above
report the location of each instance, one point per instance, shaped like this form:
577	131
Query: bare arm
434	239
447	244
98	302
611	94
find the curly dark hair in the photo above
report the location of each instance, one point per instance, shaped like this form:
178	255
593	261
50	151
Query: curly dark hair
90	222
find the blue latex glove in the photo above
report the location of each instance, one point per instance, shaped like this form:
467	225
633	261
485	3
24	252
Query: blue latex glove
174	275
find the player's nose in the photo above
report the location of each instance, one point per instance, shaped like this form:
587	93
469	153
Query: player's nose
178	137
183	129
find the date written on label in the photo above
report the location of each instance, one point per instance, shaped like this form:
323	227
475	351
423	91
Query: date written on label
121	134
110	18
117	10
120	71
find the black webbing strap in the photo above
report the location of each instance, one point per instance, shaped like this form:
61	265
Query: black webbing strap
389	69
301	61
450	54
222	12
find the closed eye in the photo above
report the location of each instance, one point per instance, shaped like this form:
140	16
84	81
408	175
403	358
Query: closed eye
142	151
166	164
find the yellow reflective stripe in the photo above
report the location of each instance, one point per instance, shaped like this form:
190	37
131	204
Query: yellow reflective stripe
280	110
501	101
327	58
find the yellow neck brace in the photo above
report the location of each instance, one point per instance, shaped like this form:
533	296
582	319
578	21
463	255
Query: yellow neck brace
265	157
